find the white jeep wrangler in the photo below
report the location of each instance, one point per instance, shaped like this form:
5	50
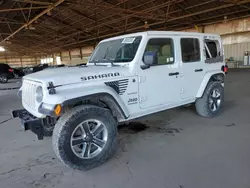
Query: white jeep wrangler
126	77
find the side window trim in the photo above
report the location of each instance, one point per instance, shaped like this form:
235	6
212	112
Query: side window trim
172	46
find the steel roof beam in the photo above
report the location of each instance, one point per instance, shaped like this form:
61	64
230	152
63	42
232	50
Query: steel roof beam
169	20
34	19
22	9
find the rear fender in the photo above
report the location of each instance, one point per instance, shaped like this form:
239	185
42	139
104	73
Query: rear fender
213	75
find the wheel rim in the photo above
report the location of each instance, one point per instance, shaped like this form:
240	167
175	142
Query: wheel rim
215	100
89	138
3	78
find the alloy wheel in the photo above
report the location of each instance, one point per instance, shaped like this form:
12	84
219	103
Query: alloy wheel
215	100
89	138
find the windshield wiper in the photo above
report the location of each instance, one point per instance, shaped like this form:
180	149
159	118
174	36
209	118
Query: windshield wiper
109	60
104	60
106	53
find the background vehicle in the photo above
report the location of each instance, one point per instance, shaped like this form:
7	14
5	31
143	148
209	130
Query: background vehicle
56	66
62	65
126	77
6	73
81	64
18	72
40	67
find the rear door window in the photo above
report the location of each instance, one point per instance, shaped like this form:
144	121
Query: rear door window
213	51
211	45
190	50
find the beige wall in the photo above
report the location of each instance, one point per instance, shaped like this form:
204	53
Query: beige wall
19	61
76	56
236	50
232	32
235	36
70	57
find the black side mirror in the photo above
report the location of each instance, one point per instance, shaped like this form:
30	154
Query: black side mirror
149	59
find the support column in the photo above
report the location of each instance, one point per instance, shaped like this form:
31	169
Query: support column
70	55
81	52
203	29
61	56
5	57
21	61
54	60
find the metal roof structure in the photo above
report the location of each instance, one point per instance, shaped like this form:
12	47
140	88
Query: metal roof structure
46	26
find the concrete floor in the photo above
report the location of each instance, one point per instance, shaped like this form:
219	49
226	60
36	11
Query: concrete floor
12	84
178	150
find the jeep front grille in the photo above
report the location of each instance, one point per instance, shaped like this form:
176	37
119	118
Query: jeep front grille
28	93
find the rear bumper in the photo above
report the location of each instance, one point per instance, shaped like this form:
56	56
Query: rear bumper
30	122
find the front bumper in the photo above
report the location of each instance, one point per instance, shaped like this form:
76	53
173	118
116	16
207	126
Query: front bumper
30	122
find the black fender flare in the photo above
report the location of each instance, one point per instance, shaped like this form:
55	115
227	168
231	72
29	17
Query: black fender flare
105	100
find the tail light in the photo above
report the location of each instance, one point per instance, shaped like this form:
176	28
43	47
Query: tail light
224	69
11	70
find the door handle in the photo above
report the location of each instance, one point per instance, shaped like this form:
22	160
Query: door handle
198	70
173	73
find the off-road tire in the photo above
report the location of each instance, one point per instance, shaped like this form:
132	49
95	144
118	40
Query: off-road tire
66	125
202	104
5	80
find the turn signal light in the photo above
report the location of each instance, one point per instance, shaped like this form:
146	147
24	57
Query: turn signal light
58	109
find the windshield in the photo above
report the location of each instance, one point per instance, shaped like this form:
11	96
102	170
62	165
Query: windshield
120	50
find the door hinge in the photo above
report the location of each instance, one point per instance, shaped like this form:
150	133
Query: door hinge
142	79
143	99
182	91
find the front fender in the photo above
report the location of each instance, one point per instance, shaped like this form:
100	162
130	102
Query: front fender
205	81
76	94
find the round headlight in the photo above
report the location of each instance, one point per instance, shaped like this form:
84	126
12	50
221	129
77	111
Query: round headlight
39	94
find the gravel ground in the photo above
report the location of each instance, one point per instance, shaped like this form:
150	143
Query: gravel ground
172	149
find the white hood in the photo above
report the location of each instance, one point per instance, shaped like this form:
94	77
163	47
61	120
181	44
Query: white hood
69	75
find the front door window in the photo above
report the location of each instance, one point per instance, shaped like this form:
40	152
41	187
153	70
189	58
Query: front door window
164	49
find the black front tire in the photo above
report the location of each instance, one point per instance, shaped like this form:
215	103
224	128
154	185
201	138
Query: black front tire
65	127
203	107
